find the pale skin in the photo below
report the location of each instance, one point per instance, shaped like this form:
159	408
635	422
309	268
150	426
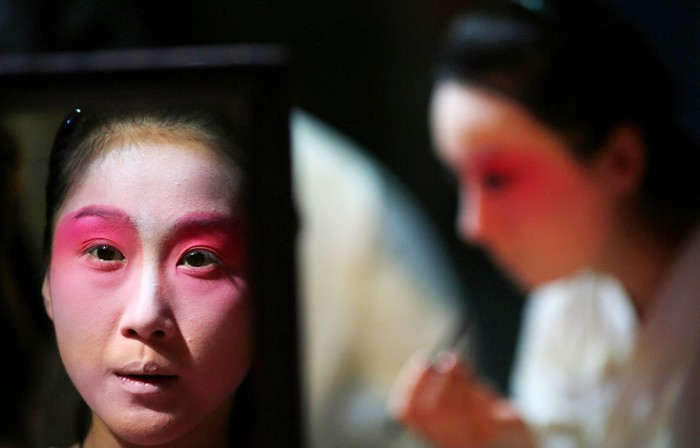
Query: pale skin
147	292
542	214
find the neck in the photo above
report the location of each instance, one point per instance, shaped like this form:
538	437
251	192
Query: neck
643	254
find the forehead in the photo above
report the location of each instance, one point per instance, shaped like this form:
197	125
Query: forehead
470	121
157	181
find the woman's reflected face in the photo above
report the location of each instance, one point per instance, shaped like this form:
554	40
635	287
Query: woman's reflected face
540	212
147	291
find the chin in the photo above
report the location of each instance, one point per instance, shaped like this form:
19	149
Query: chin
519	277
532	280
531	276
525	284
157	429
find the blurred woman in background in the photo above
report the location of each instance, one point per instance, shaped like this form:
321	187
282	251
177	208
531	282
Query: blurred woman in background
559	125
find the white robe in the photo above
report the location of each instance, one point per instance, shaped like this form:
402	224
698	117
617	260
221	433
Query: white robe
588	375
577	337
660	404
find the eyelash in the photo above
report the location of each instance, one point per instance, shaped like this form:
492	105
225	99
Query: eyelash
113	260
495	181
212	267
209	258
93	251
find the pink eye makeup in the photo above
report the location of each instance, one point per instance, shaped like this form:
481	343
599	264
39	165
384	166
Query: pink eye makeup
497	180
209	245
490	177
99	236
198	258
202	245
501	170
204	264
106	253
105	257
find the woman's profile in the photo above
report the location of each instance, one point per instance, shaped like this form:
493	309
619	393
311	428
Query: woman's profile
147	283
558	123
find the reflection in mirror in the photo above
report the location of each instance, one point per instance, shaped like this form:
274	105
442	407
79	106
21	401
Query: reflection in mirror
146	283
153	251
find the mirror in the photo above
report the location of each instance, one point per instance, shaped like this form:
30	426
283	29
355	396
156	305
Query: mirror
246	87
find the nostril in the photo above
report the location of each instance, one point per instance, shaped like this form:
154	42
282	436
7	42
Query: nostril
134	333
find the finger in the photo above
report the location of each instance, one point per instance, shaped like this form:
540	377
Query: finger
426	388
445	362
409	380
447	387
446	382
503	410
451	362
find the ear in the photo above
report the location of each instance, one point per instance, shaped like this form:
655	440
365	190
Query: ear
46	293
622	160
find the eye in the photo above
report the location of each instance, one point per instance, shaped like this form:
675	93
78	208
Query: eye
105	252
198	258
496	181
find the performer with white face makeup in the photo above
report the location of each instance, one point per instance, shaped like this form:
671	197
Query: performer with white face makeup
558	124
147	285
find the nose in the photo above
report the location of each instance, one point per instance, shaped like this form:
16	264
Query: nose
473	220
148	315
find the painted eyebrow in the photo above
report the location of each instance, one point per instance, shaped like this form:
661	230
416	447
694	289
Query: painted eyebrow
205	220
108	213
199	224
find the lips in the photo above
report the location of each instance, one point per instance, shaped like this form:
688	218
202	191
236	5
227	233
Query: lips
149	379
146	378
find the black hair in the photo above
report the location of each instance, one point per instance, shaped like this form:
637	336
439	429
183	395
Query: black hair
582	69
9	164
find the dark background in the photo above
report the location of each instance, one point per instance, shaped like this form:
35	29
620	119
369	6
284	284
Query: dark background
363	66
